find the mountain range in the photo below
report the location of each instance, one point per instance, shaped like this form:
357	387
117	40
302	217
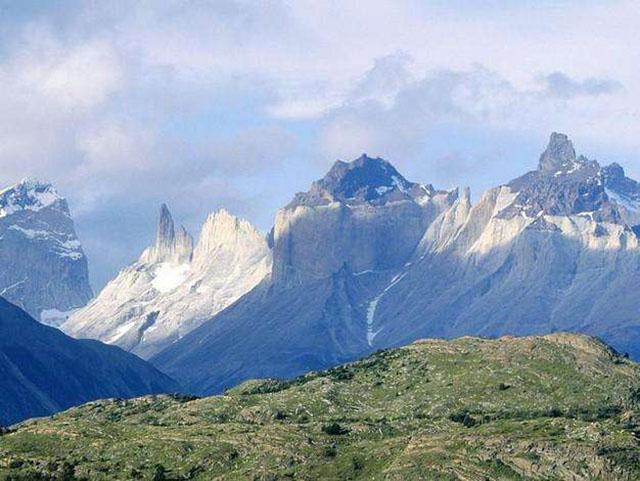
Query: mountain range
367	259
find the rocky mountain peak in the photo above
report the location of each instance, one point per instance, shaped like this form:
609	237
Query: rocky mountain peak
613	172
362	213
363	180
165	236
30	194
559	156
183	244
563	185
224	230
624	192
220	224
43	268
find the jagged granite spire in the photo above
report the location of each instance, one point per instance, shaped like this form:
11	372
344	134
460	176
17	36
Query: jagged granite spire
559	155
222	230
183	246
171	244
165	238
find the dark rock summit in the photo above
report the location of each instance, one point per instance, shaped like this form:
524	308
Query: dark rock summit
563	185
364	180
559	156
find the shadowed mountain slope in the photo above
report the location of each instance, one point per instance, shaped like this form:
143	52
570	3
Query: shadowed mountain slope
43	371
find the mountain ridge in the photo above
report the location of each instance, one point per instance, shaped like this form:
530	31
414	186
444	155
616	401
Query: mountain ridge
551	250
45	371
175	285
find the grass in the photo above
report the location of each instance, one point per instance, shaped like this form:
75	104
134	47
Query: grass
551	407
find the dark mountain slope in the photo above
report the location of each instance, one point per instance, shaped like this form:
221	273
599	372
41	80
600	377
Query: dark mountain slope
43	371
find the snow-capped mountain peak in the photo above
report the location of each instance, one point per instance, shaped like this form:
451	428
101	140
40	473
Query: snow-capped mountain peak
30	194
43	268
365	180
176	285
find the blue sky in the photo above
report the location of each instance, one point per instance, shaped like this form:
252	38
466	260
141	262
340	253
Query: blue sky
203	104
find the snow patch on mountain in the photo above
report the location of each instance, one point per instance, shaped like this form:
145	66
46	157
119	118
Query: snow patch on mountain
373	305
168	276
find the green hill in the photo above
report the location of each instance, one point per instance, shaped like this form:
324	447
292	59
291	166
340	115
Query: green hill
555	407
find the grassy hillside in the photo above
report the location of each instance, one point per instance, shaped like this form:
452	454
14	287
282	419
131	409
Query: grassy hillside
554	407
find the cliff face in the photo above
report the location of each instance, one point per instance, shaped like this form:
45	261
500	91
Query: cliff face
362	214
42	266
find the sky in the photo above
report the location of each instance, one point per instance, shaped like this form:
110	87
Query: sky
204	104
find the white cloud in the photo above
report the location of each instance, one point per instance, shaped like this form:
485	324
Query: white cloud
64	74
84	77
111	146
50	89
478	98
